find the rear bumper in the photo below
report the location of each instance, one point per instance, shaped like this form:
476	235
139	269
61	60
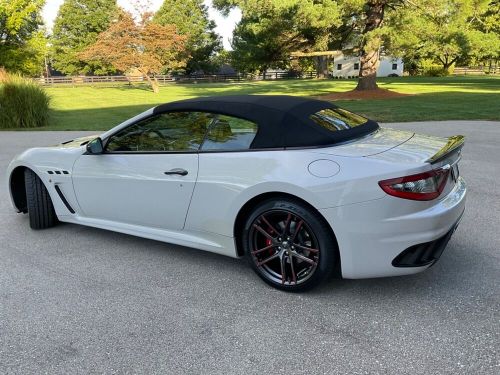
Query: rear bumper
371	235
424	254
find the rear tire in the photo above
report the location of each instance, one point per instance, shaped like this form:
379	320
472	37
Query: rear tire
289	245
40	208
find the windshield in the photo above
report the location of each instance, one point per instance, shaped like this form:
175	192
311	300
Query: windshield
337	119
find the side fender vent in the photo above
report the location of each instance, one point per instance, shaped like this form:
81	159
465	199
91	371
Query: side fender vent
57	172
63	198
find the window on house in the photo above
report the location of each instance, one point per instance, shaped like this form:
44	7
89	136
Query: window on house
339	66
394	66
356	66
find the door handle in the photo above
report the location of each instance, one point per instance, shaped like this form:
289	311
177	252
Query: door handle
179	171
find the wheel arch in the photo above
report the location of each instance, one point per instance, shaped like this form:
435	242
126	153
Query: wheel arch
246	209
17	188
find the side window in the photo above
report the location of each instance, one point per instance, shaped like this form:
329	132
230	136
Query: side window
174	131
229	133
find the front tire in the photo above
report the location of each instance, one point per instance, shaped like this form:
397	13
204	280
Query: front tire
289	245
40	208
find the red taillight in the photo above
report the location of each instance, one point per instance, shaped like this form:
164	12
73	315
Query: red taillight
420	187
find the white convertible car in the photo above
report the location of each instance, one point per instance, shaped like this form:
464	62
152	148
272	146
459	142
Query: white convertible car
301	188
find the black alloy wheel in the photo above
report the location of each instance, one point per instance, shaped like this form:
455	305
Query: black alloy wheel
289	245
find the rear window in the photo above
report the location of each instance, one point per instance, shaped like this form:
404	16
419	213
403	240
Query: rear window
337	119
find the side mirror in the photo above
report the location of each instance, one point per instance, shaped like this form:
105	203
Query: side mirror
95	147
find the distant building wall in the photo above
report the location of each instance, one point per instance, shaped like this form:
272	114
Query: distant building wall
346	66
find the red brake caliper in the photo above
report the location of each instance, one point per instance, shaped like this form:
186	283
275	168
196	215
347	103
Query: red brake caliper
269	243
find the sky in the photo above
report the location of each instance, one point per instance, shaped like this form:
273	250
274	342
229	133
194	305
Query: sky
225	25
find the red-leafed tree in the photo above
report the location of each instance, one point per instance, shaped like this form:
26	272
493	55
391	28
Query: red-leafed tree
140	45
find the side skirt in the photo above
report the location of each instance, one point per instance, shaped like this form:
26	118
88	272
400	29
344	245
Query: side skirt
207	241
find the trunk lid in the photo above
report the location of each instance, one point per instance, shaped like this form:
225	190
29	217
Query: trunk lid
372	144
401	147
408	149
421	149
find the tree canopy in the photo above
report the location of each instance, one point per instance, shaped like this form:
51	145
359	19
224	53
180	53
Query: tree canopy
440	33
270	30
143	46
22	42
446	31
77	25
191	19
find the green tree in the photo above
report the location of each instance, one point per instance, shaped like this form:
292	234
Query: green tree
270	30
77	25
372	20
191	19
22	41
486	23
445	31
362	31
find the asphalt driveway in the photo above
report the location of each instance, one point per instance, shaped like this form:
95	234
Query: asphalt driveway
82	300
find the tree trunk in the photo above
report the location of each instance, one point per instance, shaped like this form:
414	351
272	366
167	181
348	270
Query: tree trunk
156	85
447	64
369	59
152	82
321	66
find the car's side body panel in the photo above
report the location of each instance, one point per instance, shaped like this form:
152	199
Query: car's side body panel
134	189
226	181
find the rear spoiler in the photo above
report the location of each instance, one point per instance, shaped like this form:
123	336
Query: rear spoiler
454	145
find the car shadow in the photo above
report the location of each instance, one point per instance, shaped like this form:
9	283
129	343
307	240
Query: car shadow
451	274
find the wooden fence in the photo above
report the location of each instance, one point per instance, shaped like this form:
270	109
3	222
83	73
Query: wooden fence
165	79
464	71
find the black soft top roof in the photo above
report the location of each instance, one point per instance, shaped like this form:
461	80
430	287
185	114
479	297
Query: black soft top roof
283	121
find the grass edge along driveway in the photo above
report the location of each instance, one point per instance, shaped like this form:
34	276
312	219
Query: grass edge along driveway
429	98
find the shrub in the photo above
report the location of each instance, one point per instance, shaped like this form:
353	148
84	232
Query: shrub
436	72
23	104
430	69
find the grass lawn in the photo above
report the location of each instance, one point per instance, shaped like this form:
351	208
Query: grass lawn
445	98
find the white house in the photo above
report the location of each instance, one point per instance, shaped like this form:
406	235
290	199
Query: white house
348	66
